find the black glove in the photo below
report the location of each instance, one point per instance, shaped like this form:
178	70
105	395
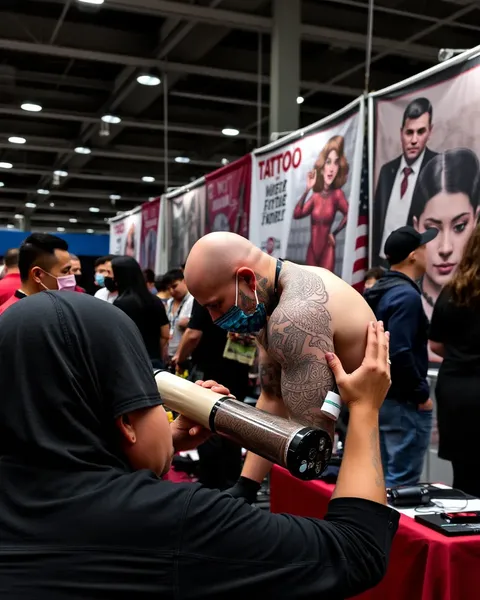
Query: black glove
245	488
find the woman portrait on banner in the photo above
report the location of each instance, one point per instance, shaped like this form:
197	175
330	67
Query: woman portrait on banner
325	181
447	198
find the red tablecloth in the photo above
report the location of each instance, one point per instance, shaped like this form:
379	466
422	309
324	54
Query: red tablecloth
424	565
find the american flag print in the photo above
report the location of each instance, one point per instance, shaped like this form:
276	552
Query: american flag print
360	264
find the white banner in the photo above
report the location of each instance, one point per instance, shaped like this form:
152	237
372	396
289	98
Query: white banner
186	221
125	234
306	193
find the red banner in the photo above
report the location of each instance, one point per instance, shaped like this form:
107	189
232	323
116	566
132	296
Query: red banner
228	197
148	241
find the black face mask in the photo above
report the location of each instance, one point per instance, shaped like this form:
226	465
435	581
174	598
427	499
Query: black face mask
110	284
78	279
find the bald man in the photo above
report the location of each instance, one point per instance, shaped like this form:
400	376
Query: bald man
297	313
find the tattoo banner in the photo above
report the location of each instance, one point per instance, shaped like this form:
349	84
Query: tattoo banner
306	193
228	197
125	233
148	242
185	220
424	149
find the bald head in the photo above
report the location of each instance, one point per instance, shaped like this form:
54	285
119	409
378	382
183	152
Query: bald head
212	266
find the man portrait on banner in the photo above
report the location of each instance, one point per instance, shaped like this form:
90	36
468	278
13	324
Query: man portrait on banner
398	178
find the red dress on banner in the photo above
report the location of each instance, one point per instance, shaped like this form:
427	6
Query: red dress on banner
323	207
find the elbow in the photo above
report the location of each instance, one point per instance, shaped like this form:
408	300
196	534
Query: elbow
437	348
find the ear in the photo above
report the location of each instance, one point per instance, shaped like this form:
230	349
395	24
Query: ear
35	274
126	429
248	276
415	223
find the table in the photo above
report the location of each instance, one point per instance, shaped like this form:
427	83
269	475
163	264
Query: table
424	565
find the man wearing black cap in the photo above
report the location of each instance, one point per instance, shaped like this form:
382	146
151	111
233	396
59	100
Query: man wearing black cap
406	415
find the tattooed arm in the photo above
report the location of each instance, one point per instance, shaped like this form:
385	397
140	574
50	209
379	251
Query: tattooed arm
256	467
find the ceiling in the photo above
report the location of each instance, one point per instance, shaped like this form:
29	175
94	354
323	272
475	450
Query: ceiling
81	62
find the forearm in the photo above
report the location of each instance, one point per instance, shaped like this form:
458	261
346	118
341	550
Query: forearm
361	473
256	467
298	212
190	341
341	226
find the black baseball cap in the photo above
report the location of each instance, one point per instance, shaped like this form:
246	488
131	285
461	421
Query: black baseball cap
404	240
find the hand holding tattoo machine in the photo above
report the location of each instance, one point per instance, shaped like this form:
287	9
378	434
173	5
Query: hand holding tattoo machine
304	451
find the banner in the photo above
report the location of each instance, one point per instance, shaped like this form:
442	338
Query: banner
228	197
306	194
424	147
125	234
148	242
186	221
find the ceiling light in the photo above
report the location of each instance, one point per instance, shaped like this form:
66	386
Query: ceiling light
61	173
90	231
18	216
82	150
2	184
73	220
182	159
115	197
224	161
60	228
97	2
43	192
30	205
16	140
230	131
31	107
111	119
94	209
300	99
10	226
52	204
5	165
149	80
146	179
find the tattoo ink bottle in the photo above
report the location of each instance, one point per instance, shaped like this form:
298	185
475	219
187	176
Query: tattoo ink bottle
332	405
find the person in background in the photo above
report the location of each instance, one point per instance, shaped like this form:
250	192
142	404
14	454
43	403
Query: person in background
454	335
44	264
145	309
372	276
161	285
220	459
406	414
77	271
104	279
10	281
179	309
150	280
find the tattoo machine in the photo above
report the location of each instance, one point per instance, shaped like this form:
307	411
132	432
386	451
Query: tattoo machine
332	405
304	451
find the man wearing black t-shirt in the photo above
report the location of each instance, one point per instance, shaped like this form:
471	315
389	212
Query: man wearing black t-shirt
220	459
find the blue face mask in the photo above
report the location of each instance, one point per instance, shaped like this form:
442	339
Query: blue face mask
100	279
237	321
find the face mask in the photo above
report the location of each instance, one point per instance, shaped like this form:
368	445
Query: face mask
66	283
237	321
100	279
154	291
110	284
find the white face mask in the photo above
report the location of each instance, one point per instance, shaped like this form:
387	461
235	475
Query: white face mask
65	283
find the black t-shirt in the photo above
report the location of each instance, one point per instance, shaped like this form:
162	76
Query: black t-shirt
208	355
458	328
149	318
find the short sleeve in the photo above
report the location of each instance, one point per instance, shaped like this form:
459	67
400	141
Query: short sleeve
187	308
440	323
161	313
198	319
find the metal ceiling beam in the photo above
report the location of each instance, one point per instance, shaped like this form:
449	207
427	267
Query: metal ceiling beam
6	202
99	153
173	67
81	194
97	177
69	81
249	22
136	124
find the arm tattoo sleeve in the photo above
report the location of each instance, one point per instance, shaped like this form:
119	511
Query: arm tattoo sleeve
300	334
270	377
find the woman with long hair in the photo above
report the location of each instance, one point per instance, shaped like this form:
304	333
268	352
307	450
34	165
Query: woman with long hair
325	181
455	335
144	308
